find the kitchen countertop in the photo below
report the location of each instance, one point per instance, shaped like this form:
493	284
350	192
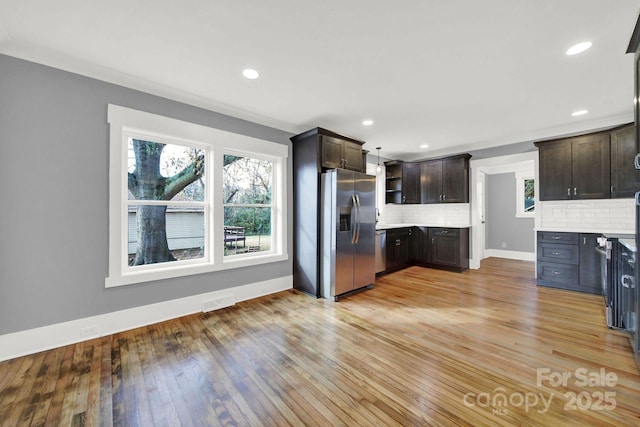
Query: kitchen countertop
390	226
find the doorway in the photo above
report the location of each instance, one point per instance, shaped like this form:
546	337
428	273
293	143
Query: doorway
497	227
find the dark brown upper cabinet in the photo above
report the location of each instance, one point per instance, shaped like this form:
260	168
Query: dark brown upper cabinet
341	153
431	181
445	180
575	168
411	183
625	178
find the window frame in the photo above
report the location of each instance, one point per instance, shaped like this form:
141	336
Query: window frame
126	122
272	206
520	197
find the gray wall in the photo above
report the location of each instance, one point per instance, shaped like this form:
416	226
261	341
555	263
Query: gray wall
54	198
501	222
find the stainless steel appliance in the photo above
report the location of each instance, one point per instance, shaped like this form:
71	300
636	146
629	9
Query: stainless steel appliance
610	248
348	232
381	251
609	278
628	292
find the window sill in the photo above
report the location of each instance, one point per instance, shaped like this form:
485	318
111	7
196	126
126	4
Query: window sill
526	215
171	272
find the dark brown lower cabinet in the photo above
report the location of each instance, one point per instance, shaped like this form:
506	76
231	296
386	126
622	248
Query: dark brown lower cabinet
569	261
448	248
421	245
435	247
399	248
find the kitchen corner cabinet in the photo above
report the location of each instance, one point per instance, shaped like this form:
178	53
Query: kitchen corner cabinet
430	181
575	168
399	248
569	261
421	245
435	247
625	178
313	152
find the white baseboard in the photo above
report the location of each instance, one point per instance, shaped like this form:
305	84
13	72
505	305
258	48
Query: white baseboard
498	253
52	336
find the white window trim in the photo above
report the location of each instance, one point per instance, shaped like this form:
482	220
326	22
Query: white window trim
520	212
124	121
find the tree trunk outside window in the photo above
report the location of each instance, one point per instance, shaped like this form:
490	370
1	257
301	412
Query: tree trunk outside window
147	183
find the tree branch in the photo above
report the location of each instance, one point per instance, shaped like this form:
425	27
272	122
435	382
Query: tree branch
176	183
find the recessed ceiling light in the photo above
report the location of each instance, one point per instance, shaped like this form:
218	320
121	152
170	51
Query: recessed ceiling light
367	122
250	74
579	113
578	48
424	146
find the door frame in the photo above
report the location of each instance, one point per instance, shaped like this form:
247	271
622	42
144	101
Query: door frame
479	170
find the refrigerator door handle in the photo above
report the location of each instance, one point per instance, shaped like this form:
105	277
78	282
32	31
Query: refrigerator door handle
354	219
357	199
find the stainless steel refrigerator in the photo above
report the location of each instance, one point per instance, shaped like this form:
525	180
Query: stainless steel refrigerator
347	232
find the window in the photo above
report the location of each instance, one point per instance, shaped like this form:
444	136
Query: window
166	203
247	204
525	196
188	199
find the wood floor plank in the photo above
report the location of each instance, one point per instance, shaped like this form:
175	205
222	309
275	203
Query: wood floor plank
424	347
65	377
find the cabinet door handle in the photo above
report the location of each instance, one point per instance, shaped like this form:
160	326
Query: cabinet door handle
636	161
557	273
555	253
433	240
569	192
444	197
613	189
584	240
556	237
575	191
397	242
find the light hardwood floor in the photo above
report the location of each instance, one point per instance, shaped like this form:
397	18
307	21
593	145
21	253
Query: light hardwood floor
424	347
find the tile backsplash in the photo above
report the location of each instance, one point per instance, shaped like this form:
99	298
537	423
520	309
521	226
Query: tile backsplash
445	214
614	215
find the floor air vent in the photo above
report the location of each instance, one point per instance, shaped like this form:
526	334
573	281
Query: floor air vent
222	301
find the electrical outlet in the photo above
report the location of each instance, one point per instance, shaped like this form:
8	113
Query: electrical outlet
226	300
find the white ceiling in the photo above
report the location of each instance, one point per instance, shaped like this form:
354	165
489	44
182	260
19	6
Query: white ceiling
457	75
